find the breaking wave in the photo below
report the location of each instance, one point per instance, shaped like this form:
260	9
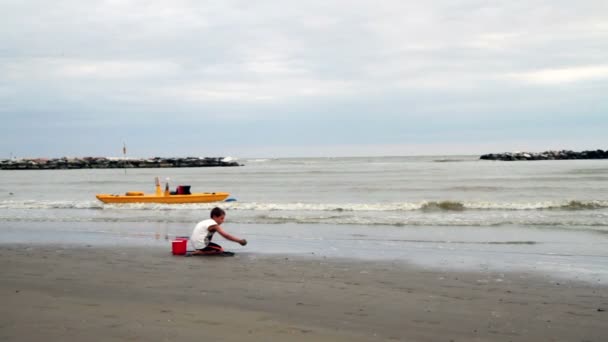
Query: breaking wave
445	205
597	224
424	206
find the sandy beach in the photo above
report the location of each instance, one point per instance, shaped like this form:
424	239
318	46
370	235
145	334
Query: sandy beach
58	293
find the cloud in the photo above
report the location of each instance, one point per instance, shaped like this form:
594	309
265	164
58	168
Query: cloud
361	65
89	69
116	69
563	75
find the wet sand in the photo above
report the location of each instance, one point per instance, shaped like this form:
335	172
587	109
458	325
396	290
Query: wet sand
58	293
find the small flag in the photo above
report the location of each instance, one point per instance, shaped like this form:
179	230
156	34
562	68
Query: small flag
124	149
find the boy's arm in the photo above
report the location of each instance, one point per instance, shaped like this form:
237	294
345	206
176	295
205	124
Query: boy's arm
228	236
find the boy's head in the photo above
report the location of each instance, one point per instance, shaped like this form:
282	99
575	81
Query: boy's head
218	214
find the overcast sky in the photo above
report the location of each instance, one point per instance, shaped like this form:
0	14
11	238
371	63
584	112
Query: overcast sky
301	78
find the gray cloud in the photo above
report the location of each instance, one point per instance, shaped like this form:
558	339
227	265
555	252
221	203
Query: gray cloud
271	73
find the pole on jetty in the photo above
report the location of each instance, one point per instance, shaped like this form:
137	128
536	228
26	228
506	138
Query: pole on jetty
124	156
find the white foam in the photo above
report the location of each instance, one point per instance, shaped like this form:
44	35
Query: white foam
300	206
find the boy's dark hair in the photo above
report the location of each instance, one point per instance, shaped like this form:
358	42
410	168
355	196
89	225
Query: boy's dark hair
216	212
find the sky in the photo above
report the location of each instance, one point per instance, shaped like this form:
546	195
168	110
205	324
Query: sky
301	78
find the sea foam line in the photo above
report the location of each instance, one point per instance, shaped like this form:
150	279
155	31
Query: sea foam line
338	207
581	225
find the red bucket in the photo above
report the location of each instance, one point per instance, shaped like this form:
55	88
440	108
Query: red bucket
179	246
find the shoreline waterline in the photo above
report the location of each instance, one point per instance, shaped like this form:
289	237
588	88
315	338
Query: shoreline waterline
558	253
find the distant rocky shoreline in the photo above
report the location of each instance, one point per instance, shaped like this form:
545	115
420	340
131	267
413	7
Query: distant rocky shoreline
547	155
112	163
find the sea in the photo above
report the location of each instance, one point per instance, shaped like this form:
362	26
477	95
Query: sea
449	212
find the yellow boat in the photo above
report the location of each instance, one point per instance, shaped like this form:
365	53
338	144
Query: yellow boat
163	197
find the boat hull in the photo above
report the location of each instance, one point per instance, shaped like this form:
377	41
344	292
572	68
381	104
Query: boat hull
169	199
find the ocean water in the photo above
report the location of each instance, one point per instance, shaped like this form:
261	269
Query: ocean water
439	211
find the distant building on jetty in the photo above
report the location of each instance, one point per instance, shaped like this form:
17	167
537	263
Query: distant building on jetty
112	163
547	155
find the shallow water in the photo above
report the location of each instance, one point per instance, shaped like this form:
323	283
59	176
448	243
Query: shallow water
577	255
453	212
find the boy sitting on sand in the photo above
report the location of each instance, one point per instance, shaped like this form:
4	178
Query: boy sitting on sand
203	233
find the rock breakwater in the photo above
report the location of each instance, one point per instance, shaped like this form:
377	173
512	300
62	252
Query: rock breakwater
112	163
547	155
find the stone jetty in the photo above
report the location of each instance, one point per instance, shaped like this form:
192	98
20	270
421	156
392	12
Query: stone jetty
112	163
547	155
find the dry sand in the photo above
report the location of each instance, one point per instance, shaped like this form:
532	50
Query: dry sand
55	293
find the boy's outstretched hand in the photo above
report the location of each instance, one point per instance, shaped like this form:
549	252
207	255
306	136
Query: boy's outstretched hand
243	242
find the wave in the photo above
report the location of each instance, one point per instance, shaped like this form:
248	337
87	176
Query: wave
582	205
542	205
444	205
447	160
476	188
599	225
424	206
33	204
